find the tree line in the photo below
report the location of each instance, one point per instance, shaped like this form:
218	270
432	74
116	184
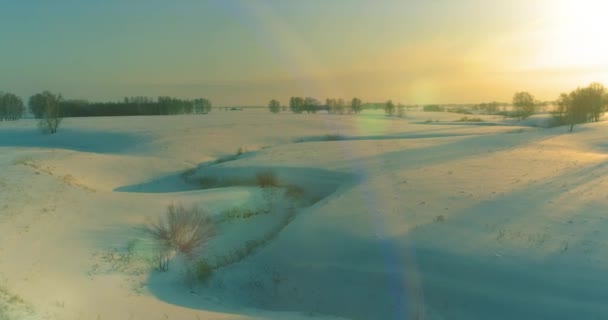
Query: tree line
312	105
581	105
586	104
334	106
131	106
12	106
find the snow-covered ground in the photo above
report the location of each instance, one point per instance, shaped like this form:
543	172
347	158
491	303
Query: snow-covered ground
396	218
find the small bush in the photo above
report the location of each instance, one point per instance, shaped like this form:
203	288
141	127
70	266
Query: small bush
182	230
47	108
202	271
467	119
266	179
49	125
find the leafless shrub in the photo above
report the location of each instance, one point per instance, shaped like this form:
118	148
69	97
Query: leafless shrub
161	260
182	230
50	124
266	179
231	157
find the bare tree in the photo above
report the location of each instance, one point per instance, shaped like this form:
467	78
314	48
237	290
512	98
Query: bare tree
582	105
330	103
524	104
311	105
597	100
389	107
274	106
341	107
11	107
46	106
296	104
356	105
400	110
202	105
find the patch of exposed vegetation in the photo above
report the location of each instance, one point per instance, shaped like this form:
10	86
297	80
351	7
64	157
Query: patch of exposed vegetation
12	305
325	137
239	152
266	179
239	213
182	230
467	119
251	246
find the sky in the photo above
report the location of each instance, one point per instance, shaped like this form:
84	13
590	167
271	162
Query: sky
246	52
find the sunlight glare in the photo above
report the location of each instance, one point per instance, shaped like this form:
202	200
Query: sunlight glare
575	37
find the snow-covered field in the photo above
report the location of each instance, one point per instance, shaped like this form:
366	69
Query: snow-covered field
394	219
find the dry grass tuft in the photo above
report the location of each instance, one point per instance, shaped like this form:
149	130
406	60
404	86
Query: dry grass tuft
182	230
266	179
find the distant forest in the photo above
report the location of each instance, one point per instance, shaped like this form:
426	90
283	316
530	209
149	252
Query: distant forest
13	108
132	106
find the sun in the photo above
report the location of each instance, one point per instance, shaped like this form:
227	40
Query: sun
575	34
